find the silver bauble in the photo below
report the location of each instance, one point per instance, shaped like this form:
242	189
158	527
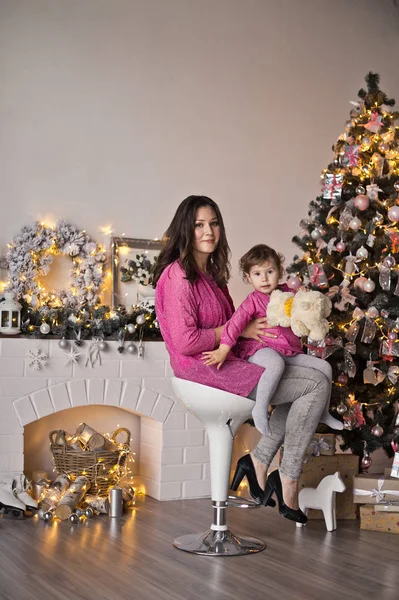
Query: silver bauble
384	313
366	462
89	512
131	348
48	516
40	513
44	328
74	518
389	261
355	224
316	234
396	186
156	324
362	253
360	190
342	408
377	430
79	512
103	345
63	343
369	286
140	320
131	328
348	425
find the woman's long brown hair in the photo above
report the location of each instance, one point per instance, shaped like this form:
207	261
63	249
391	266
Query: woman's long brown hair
179	238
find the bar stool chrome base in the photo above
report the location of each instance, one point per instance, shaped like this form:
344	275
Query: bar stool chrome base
218	543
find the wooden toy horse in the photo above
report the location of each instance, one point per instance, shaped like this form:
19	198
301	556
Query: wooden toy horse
323	498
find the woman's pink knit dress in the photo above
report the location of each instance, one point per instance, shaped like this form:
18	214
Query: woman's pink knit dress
187	314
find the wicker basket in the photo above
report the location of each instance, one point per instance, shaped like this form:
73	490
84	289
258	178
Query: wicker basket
103	468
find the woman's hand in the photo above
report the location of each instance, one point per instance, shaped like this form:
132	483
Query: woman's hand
256	328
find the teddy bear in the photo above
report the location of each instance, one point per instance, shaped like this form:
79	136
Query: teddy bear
305	312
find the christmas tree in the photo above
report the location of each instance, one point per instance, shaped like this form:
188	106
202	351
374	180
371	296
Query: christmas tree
350	244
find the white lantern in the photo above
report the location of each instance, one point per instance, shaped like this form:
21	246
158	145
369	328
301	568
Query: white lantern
10	315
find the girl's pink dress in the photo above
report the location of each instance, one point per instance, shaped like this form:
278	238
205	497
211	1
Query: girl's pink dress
254	307
187	314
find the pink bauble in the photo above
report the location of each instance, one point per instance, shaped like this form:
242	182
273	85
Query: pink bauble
343	379
340	246
355	224
359	282
294	283
393	213
392	336
362	202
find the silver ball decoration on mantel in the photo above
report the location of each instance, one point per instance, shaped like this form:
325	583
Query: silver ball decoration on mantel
140	319
103	345
131	348
45	328
63	344
131	328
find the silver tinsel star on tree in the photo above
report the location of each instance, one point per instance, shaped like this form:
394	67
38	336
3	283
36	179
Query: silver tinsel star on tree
37	358
72	356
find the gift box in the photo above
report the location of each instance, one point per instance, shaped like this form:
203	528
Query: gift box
322	444
375	488
373	520
318	467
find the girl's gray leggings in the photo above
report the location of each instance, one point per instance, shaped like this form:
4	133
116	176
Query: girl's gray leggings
299	401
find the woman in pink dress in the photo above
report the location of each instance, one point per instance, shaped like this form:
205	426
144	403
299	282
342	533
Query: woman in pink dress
192	305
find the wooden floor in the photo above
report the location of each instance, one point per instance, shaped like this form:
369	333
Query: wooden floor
134	558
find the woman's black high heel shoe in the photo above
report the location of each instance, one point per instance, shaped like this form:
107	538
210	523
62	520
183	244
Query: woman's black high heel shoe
273	484
245	468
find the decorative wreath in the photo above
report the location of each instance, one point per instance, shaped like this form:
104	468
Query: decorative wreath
30	255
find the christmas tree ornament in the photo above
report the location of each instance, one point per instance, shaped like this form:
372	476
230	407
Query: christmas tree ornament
384	313
79	512
378	164
93	354
131	348
369	331
370	240
392	336
377	430
359	282
140	319
355	224
317	275
44	328
375	123
369	286
372	312
315	234
121	338
378	219
293	282
396	186
389	261
360	190
342	379
156	324
78	335
347	425
340	246
131	328
393	213
89	513
40	513
384	278
63	343
372	191
345	218
74	518
351	155
342	408
366	460
332	187
350	366
383	147
102	345
372	375
361	202
48	516
362	253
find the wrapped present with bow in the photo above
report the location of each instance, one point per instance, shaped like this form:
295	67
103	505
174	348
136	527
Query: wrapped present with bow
317	275
332	186
324	348
375	489
389	349
351	155
375	518
322	444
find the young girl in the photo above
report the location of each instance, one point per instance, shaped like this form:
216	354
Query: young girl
262	267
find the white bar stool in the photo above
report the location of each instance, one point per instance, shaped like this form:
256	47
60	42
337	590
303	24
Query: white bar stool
221	413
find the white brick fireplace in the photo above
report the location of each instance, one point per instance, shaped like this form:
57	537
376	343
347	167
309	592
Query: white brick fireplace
173	449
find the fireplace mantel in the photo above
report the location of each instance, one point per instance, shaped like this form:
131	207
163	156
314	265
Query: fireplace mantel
173	447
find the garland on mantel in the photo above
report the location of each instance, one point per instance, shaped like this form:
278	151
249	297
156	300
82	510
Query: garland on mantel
101	322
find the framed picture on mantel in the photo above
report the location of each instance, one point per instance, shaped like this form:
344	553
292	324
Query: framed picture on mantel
133	260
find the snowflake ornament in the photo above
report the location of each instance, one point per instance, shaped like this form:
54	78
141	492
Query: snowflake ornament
37	358
72	356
